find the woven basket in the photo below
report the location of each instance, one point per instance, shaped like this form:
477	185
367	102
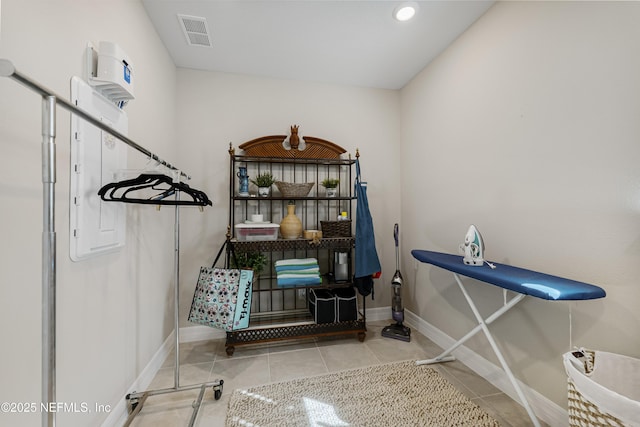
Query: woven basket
336	228
583	413
294	189
602	389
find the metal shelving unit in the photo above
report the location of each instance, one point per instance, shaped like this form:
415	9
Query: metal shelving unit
282	313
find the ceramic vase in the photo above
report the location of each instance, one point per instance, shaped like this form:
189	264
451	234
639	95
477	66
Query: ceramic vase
244	181
291	226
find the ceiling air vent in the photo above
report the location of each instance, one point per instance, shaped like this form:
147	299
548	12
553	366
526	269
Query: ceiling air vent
195	30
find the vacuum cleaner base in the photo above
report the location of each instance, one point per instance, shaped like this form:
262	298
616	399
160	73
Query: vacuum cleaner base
397	331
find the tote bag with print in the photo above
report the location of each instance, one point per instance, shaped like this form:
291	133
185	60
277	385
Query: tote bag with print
222	298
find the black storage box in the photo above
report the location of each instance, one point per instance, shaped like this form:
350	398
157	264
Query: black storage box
322	304
346	304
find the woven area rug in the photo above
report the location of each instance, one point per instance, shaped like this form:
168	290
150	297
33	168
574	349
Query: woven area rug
395	394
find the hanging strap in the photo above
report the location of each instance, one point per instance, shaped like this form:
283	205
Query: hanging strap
357	182
230	249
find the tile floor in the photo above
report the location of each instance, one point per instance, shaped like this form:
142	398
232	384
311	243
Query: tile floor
206	361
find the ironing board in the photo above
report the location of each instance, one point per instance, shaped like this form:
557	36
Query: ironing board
518	280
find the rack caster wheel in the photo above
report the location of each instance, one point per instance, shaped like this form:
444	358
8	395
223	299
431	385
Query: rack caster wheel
217	390
230	349
361	336
132	403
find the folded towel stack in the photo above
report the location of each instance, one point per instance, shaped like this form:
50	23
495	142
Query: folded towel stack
298	272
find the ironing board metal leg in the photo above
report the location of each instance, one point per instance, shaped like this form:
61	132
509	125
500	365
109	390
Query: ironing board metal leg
439	359
445	356
498	353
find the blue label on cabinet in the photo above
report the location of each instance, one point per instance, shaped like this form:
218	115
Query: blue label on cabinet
127	74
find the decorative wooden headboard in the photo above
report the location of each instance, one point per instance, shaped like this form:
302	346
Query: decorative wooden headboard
292	146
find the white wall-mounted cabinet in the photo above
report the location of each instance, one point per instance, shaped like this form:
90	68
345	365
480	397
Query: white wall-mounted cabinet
96	227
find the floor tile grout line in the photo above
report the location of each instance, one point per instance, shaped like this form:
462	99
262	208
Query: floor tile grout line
372	352
324	361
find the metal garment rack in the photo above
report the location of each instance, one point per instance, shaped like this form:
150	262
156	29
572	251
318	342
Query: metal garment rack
50	101
136	400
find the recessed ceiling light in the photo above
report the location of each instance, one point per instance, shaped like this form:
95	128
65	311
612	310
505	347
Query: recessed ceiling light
405	11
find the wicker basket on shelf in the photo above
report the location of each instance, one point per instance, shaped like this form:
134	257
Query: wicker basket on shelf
336	228
294	189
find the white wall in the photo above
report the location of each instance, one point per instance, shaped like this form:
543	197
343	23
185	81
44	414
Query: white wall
218	108
527	127
114	311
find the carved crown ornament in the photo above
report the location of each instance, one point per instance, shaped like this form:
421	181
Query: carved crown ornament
293	145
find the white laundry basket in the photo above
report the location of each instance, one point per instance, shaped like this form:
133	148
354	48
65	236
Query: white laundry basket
604	389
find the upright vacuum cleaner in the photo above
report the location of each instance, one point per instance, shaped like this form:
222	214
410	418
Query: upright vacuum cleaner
397	330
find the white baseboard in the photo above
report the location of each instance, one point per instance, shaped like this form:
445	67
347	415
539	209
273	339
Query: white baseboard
379	313
200	333
545	409
119	412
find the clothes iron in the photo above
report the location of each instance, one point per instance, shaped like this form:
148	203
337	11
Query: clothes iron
473	247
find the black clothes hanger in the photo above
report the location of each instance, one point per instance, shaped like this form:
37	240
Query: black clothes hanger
152	189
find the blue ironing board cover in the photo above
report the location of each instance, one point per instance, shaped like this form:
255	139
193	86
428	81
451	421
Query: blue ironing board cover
515	279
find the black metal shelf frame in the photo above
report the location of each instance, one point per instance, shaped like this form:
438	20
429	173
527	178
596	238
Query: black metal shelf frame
313	208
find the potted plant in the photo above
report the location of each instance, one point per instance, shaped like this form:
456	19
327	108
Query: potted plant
250	260
264	182
331	184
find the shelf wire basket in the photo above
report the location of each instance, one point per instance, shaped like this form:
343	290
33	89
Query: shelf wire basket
294	189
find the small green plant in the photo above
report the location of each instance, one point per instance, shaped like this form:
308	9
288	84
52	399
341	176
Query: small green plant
250	260
264	180
330	182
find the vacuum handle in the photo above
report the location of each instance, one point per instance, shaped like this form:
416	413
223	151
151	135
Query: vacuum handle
395	234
